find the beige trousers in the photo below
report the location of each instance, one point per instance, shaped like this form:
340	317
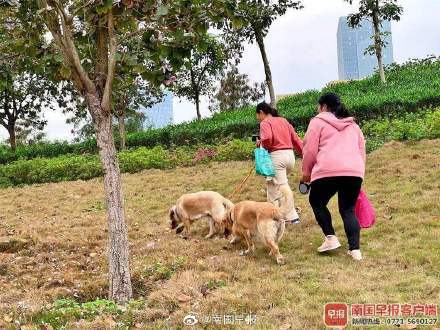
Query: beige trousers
283	161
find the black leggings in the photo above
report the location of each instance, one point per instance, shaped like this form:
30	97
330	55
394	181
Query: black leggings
348	188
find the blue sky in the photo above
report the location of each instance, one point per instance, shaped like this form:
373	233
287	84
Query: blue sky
301	47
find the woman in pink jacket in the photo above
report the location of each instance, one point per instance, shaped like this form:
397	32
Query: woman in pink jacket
334	162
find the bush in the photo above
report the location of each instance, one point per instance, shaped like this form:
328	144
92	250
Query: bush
411	126
46	150
410	87
72	167
143	158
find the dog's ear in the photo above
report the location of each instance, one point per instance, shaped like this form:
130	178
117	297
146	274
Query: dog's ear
171	213
229	217
180	229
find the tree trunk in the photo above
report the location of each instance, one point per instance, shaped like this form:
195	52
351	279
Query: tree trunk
121	125
118	249
12	137
268	73
199	116
195	88
378	46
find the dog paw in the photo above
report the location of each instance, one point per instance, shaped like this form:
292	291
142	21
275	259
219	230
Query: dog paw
243	253
233	241
281	261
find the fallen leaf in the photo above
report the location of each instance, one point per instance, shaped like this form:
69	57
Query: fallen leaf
183	298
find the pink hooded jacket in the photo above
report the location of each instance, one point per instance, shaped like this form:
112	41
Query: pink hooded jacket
333	147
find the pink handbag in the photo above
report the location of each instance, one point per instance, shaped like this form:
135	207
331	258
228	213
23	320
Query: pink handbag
364	211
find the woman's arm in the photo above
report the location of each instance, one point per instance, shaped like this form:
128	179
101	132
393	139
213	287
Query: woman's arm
362	149
310	148
296	141
266	135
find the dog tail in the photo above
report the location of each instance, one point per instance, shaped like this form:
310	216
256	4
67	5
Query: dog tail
279	224
280	230
286	200
228	204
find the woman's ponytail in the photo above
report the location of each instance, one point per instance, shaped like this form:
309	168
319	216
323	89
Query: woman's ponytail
341	111
267	109
334	104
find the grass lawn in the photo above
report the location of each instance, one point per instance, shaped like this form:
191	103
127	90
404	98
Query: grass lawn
64	251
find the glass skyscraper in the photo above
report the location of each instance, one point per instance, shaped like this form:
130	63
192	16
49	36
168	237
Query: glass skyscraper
160	114
352	43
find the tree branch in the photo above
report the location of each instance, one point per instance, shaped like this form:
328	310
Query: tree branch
58	24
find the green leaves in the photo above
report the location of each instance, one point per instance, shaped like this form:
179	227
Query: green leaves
385	9
162	10
65	72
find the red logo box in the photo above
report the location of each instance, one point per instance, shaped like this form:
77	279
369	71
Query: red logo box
336	315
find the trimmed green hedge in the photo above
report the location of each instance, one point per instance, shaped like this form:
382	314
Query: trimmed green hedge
48	150
412	126
410	87
84	167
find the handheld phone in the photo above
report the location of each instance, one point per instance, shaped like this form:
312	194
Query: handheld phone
304	188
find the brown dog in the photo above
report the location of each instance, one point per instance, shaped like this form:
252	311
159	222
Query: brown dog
249	219
191	207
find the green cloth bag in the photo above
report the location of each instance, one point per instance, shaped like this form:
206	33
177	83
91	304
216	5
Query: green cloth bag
263	162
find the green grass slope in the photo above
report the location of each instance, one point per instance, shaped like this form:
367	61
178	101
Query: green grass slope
65	257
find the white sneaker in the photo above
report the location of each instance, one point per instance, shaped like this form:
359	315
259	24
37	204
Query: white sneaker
355	254
331	242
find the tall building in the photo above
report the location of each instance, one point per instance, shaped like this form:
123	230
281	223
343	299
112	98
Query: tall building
352	43
160	114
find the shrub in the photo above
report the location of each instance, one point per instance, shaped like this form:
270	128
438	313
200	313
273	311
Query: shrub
39	170
410	126
410	87
143	158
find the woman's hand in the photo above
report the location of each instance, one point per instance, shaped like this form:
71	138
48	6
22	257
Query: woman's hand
305	178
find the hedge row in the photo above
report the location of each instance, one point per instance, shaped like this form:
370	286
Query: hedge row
48	150
413	126
84	167
410	87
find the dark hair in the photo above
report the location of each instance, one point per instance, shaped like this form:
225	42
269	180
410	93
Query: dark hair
334	104
267	109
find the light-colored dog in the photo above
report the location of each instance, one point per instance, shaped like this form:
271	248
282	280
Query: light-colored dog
191	207
262	219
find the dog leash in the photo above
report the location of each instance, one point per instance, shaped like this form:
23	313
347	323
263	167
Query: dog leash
240	186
